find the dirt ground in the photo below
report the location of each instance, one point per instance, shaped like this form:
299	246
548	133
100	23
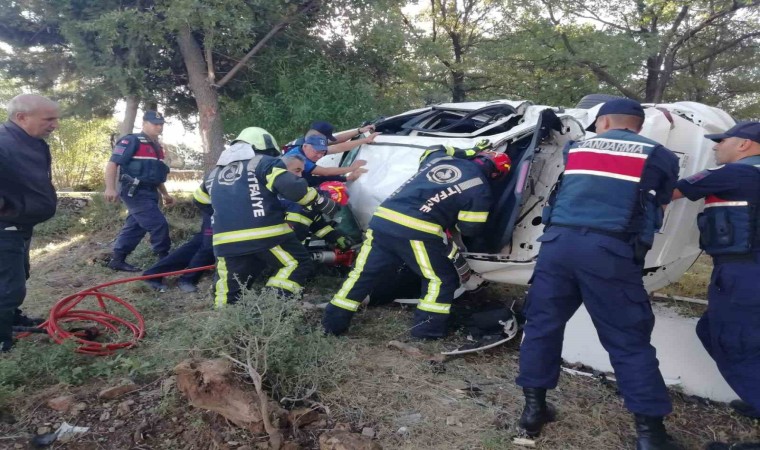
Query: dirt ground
468	402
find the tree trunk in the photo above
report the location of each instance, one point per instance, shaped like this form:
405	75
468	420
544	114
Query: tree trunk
206	97
130	114
653	78
458	91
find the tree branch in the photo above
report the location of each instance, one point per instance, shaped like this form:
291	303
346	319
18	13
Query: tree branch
208	46
305	7
717	51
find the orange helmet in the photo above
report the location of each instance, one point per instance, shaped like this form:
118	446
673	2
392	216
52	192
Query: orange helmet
495	164
336	190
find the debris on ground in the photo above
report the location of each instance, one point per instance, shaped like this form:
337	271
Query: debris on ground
345	440
212	385
416	353
125	387
62	403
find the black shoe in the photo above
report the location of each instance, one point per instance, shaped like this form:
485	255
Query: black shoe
118	263
156	285
22	320
651	434
745	409
336	320
537	412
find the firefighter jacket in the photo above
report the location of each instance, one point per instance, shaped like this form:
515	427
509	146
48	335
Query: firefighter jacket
730	222
615	182
307	221
141	158
445	193
248	216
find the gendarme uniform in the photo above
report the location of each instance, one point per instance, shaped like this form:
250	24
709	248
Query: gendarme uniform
409	227
730	233
249	229
139	158
600	223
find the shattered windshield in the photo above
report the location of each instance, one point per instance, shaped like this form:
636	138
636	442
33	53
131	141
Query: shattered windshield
450	122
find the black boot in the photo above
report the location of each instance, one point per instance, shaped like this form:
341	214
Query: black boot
118	263
745	409
6	329
22	320
651	434
537	412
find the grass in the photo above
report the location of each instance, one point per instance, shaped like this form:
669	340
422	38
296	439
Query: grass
361	380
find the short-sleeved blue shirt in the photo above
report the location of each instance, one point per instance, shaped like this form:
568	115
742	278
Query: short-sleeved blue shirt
308	165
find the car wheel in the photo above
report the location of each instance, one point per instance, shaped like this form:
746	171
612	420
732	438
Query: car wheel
591	100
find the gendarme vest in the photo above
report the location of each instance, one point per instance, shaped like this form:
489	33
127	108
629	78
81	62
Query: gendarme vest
730	226
600	186
147	164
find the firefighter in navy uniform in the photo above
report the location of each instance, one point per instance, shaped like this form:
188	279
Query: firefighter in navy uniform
599	225
409	227
249	229
143	173
730	233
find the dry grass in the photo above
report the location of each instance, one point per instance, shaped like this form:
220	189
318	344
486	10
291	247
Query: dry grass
387	390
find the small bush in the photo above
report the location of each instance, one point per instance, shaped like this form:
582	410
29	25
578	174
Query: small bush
294	358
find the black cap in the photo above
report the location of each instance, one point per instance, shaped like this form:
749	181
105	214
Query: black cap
744	130
624	106
153	117
325	128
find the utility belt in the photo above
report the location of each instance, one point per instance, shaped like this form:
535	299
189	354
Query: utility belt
626	237
133	184
8	226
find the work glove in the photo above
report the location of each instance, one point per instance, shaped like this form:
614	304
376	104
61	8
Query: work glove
482	145
325	205
344	243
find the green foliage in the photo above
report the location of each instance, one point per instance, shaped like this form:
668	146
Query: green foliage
271	333
303	93
80	149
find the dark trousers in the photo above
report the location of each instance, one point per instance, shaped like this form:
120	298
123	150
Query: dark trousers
233	273
14	271
144	217
380	252
197	252
730	329
598	271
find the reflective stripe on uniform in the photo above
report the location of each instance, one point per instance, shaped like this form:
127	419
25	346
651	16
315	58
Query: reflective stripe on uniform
409	221
282	278
428	303
726	203
201	197
454	250
340	299
324	231
298	218
473	216
271	176
251	234
221	289
311	195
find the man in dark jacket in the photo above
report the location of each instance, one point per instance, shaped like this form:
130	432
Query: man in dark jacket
27	197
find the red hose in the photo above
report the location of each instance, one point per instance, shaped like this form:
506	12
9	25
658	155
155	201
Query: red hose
64	311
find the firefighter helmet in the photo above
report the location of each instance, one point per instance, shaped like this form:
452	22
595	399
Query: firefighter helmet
260	139
336	190
495	164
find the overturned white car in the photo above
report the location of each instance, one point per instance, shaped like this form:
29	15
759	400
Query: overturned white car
533	136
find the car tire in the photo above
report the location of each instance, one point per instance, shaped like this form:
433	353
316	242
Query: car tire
591	100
